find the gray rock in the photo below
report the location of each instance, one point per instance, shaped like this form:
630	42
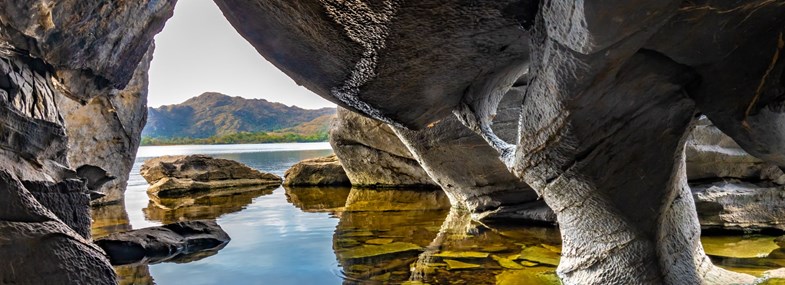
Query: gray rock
176	176
315	172
742	206
712	154
68	200
106	131
165	243
372	155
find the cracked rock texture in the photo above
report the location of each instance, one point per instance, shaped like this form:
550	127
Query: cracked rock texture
320	171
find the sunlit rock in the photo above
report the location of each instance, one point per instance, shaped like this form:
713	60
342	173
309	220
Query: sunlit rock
176	176
741	206
321	171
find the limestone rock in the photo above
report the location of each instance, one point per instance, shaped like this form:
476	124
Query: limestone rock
167	242
712	154
317	172
372	155
175	176
106	131
736	205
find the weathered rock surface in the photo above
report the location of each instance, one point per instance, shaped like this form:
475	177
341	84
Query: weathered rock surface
167	242
176	176
106	131
319	171
372	155
742	206
712	154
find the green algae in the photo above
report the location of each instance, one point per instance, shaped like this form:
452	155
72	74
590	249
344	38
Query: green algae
459	265
462	254
365	251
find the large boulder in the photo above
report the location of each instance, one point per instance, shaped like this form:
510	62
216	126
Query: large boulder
372	155
320	171
175	176
167	242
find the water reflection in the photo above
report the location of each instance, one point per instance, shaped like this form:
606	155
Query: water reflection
318	199
108	219
209	205
136	274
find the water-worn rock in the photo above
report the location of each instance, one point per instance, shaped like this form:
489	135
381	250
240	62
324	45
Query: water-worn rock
319	171
372	155
712	154
735	205
115	121
167	242
176	176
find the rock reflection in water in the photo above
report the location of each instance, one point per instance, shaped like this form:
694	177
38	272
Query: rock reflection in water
398	236
135	274
108	219
317	199
208	205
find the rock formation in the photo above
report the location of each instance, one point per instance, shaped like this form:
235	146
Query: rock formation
372	154
320	171
164	243
610	94
177	176
115	123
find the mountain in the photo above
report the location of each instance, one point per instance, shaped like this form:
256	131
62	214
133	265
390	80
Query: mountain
215	114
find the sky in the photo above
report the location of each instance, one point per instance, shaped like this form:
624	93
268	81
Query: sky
199	51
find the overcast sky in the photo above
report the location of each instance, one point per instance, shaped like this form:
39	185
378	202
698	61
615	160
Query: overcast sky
199	51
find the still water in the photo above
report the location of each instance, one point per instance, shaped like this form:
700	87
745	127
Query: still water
351	236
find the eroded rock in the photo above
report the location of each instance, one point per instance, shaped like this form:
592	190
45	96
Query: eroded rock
164	243
176	176
372	155
321	171
736	205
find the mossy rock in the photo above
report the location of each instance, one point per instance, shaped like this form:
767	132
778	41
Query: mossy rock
527	277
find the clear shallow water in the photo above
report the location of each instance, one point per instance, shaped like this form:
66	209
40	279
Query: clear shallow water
351	236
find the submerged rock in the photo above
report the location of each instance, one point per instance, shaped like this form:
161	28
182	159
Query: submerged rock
395	200
319	171
458	265
366	251
176	176
158	244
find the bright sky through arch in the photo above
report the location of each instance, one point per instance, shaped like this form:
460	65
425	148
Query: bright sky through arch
199	51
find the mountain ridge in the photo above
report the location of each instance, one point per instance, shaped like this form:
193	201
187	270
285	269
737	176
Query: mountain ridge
214	114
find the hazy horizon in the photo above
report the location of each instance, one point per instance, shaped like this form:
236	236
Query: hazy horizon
199	51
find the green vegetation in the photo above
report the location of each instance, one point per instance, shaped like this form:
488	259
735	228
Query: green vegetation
240	138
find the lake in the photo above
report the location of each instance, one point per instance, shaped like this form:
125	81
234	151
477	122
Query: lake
352	236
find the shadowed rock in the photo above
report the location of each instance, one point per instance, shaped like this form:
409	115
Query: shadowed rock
164	243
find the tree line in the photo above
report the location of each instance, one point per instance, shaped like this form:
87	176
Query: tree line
239	138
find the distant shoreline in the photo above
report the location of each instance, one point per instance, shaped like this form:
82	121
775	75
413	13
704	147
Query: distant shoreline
238	138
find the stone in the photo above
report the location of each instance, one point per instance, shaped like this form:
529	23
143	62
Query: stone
115	119
459	265
68	200
739	246
372	155
366	251
711	154
540	255
321	171
508	263
379	241
177	176
167	242
395	200
743	206
461	254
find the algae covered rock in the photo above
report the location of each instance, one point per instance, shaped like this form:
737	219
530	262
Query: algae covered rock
319	171
366	251
175	176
